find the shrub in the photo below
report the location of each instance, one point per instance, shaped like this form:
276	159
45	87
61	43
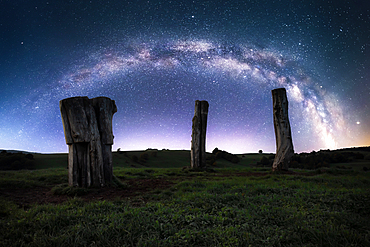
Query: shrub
225	155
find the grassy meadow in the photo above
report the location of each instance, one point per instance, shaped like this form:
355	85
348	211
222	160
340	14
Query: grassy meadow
228	205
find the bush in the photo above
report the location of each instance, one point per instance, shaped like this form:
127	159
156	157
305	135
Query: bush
16	161
220	154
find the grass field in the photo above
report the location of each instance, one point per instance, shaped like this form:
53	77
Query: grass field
227	206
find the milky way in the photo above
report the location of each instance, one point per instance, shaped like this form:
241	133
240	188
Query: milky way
235	79
156	59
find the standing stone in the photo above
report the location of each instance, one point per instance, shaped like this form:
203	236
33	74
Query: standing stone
87	127
284	144
199	129
104	110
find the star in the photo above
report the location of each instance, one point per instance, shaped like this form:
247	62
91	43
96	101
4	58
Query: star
155	60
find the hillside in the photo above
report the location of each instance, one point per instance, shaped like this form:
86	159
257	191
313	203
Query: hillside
357	158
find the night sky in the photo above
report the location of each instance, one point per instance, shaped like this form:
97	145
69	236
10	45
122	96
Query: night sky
155	58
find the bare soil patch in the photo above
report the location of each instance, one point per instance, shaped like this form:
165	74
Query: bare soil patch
43	195
136	187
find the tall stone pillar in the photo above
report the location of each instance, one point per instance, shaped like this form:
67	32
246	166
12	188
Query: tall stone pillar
283	134
87	127
199	129
104	110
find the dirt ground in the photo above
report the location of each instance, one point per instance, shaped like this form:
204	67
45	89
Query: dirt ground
43	195
136	189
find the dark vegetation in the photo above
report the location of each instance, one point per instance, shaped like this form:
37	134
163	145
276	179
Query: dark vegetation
220	154
16	161
155	202
322	159
316	160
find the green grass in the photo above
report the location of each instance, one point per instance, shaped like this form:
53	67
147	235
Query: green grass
30	178
46	161
202	208
273	210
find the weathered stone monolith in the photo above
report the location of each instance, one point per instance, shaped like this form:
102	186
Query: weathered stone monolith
87	127
199	129
104	110
283	134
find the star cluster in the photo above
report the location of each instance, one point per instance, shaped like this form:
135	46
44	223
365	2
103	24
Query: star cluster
155	59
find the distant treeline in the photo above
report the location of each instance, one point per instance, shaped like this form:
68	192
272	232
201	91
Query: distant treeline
315	160
16	161
362	149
